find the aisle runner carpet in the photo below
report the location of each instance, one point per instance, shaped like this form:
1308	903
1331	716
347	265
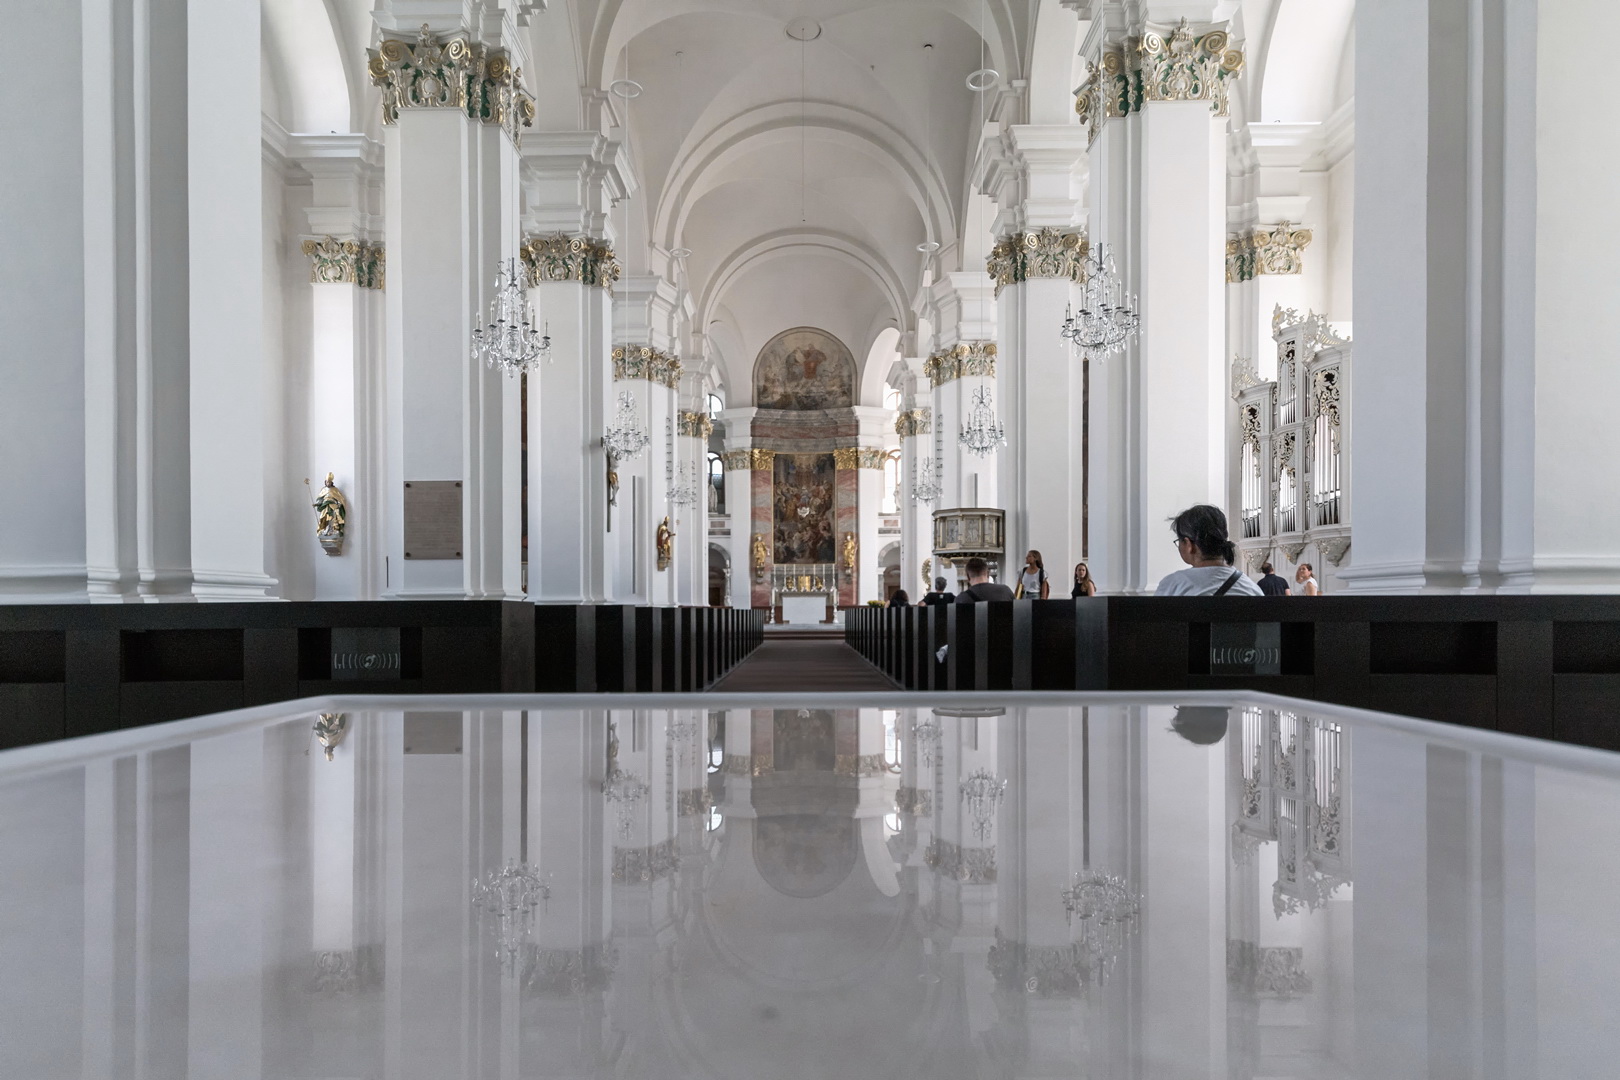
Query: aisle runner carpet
803	666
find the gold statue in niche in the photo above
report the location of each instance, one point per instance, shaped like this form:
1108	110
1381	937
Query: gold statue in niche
331	516
849	552
762	556
666	544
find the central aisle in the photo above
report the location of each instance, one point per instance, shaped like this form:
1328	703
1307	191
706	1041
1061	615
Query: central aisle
811	666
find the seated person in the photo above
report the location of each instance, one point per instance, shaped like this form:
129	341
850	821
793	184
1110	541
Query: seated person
1203	545
938	595
980	588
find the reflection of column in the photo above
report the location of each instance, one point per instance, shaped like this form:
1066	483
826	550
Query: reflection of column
224	1026
1182	789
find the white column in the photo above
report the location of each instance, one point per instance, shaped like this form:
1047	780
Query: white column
1037	181
876	434
571	179
452	202
568	486
228	366
740	502
916	430
692	523
347	271
1480	279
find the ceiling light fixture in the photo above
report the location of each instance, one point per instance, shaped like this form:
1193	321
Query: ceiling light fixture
804	29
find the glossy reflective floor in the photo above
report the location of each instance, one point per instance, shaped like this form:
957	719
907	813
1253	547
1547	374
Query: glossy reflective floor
808	889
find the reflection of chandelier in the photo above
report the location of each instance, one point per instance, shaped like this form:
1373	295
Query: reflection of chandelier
1107	318
508	897
982	432
982	792
624	790
509	342
925	486
1107	911
625	438
927	733
683	486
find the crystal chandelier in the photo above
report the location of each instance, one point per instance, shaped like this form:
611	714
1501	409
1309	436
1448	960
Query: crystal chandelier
507	899
927	733
510	342
683	486
925	486
1107	911
982	433
1107	318
625	438
982	792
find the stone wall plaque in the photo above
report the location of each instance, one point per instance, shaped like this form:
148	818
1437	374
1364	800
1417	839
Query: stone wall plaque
432	519
1245	648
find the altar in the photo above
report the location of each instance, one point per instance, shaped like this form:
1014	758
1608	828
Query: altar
802	608
805	593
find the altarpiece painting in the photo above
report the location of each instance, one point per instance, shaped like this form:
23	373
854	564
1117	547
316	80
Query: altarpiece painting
802	498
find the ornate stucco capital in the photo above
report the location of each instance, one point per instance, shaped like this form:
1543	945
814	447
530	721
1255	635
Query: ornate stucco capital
968	358
858	457
751	460
1185	64
1266	249
561	257
1044	253
694	425
645	362
453	72
919	421
353	262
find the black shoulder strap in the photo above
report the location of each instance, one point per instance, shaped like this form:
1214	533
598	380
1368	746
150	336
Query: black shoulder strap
1227	584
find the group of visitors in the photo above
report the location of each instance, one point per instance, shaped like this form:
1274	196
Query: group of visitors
1201	541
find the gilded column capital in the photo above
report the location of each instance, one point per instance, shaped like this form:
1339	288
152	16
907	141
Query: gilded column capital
645	362
754	460
1266	249
561	257
696	425
1184	65
352	262
968	358
450	73
1044	253
919	421
1188	66
858	457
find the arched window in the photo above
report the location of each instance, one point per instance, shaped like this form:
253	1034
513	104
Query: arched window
891	399
717	484
891	482
715	405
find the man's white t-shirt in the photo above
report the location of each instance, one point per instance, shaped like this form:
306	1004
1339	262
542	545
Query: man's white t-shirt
1205	581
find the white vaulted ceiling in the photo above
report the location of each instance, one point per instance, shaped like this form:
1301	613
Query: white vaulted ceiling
802	176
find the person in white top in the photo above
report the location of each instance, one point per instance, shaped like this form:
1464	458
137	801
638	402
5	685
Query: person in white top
1203	545
1306	576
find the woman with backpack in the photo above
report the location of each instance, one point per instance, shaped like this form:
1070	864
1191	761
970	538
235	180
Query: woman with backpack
1032	583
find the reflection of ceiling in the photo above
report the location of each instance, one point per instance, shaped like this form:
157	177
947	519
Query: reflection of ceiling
803	855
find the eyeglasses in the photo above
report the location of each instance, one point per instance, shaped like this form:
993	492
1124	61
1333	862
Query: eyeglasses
1178	541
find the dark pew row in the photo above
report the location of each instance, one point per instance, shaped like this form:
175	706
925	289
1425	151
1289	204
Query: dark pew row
69	670
1543	666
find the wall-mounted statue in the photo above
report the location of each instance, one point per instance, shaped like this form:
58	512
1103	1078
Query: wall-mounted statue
331	516
849	552
762	556
666	544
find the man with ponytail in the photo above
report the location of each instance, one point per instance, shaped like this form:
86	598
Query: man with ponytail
1203	545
